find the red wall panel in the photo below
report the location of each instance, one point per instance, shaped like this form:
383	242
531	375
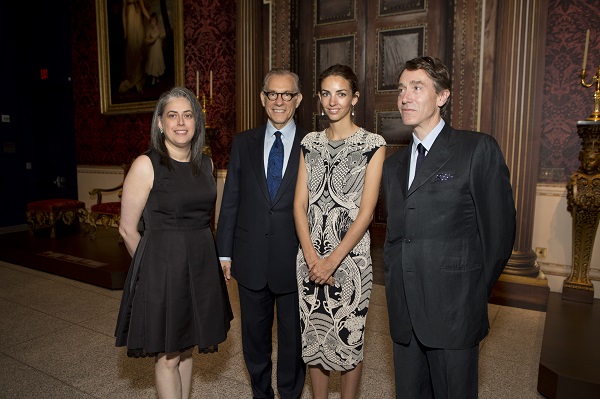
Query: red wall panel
209	44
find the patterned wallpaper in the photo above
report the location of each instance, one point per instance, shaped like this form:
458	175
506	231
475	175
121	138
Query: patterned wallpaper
565	100
209	41
209	35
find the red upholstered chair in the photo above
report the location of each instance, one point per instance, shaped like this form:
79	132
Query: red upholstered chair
51	211
106	214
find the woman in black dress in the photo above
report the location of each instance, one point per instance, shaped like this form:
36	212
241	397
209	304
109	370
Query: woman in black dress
175	297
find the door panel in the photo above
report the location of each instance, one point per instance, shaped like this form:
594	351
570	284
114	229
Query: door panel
330	32
374	38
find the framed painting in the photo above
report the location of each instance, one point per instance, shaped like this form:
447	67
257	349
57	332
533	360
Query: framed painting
140	52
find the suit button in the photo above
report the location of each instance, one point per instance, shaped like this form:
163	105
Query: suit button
271	212
407	240
267	236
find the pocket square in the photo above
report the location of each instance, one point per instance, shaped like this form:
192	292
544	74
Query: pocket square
444	177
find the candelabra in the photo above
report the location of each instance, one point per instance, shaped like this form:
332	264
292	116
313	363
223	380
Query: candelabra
595	116
206	103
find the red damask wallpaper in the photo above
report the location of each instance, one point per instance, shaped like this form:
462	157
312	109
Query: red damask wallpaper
209	40
565	100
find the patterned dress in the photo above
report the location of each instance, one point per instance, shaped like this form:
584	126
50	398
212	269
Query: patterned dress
333	318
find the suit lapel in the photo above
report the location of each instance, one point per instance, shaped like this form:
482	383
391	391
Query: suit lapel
256	152
439	154
403	169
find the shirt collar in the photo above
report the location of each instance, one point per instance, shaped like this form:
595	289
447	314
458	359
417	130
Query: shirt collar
430	138
286	131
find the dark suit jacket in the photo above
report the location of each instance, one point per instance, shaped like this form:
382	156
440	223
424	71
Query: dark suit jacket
258	235
448	239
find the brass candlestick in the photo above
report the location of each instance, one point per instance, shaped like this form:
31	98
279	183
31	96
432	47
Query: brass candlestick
206	103
595	116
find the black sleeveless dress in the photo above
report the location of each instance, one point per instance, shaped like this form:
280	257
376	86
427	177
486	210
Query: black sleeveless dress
175	296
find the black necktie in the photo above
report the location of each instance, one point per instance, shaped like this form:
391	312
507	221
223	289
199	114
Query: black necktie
420	157
275	166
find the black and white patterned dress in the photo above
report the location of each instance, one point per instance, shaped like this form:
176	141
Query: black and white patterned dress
333	318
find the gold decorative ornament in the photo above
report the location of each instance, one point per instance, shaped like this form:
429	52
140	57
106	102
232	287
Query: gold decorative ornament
594	116
583	199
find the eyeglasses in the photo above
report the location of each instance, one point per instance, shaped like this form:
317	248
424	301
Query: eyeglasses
286	96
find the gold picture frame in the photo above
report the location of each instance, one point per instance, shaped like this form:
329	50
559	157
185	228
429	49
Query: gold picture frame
125	41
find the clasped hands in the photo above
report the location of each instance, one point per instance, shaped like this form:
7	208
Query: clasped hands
320	270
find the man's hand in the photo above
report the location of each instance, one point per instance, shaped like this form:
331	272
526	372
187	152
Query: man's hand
226	267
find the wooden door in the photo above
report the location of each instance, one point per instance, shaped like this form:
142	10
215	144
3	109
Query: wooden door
374	38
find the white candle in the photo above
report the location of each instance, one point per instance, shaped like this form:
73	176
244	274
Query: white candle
197	83
211	84
585	51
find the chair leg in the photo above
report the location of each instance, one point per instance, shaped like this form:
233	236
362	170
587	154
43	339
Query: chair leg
106	220
31	220
93	227
52	226
82	216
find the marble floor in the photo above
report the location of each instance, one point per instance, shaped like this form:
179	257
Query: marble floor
56	341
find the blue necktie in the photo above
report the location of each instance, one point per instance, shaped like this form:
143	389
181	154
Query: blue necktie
275	166
420	157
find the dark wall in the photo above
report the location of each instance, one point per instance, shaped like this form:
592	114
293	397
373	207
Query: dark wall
38	145
11	139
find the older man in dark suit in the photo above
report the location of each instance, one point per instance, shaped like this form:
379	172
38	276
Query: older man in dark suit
450	232
257	241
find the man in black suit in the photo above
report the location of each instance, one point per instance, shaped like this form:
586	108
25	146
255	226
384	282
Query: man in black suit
257	241
450	232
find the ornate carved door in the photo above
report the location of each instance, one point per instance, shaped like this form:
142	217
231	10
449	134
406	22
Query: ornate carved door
374	38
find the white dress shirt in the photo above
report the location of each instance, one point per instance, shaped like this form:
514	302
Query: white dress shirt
287	137
427	143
